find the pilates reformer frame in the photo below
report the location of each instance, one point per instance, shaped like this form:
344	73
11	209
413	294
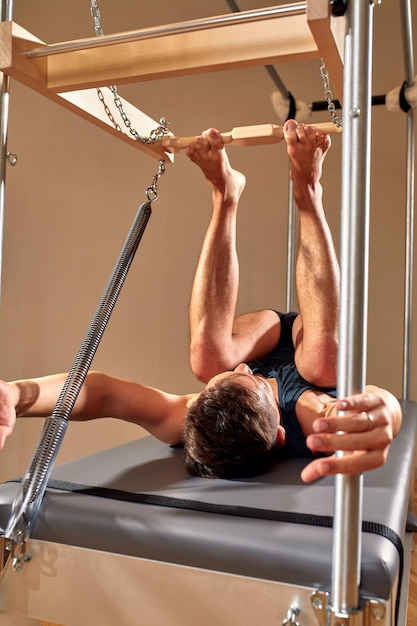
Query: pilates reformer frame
52	78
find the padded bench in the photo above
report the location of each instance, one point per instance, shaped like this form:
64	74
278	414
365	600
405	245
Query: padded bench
137	502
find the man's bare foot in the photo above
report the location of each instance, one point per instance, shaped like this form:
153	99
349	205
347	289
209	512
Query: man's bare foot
307	149
208	152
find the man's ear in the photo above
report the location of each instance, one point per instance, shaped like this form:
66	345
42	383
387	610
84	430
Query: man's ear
193	397
281	435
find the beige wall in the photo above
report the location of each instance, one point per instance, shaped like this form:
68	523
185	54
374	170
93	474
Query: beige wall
73	195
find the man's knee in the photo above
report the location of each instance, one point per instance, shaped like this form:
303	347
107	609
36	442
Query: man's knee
319	366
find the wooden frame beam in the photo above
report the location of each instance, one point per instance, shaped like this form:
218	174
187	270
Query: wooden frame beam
329	33
225	47
69	72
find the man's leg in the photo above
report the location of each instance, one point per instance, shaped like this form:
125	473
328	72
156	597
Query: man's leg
219	342
317	269
216	281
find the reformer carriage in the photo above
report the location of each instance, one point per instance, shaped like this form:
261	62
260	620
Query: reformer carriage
160	536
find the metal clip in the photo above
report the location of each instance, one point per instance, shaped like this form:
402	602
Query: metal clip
376	613
291	615
319	602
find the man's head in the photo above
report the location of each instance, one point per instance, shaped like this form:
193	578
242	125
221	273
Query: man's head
232	428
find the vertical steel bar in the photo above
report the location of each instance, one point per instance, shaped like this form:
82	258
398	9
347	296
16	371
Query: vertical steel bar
354	286
6	10
290	249
407	36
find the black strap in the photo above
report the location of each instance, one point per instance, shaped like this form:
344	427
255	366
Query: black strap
404	105
288	517
292	109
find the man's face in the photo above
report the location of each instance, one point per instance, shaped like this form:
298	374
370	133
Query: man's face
244	376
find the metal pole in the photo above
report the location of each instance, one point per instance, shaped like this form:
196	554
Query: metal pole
409	235
6	9
354	284
290	249
161	31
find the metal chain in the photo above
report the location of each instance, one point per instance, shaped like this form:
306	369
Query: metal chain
95	14
107	110
155	134
329	97
151	192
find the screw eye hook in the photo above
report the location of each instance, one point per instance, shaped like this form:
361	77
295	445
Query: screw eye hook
291	615
11	158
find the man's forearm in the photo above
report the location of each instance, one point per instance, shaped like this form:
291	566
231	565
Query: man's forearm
37	397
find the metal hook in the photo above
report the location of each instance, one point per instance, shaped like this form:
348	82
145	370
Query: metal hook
151	191
11	158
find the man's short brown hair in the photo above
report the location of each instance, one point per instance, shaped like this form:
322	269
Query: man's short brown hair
230	431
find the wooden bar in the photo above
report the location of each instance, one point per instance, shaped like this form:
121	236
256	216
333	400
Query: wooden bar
255	135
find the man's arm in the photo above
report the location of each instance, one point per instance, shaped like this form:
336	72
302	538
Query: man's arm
365	431
161	414
219	342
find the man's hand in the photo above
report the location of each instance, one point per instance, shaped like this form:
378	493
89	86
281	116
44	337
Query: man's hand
364	432
7	412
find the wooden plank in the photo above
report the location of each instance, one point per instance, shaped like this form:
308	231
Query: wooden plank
222	48
329	33
70	585
86	104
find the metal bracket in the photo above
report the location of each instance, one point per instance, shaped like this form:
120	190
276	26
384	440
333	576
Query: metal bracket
12	552
339	7
6	548
372	612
